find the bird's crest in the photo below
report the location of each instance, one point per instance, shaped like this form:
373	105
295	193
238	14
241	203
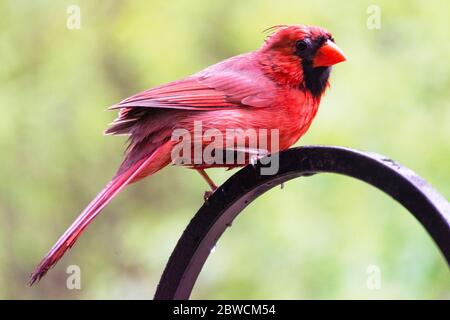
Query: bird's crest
271	31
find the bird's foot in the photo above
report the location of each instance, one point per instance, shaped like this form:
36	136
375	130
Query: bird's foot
208	194
254	158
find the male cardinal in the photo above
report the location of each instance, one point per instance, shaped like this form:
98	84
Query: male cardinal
278	86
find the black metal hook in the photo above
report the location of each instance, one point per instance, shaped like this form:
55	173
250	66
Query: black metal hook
430	208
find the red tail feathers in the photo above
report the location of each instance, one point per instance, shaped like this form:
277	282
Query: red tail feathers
68	239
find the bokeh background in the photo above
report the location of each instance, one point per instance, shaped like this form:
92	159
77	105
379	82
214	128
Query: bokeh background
316	238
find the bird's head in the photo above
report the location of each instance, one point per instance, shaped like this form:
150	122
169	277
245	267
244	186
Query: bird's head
300	56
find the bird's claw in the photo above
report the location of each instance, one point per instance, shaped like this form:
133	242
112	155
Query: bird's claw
255	158
208	194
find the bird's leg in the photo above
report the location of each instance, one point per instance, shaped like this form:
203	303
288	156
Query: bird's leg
208	180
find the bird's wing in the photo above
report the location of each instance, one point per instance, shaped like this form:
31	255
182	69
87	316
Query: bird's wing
202	92
205	91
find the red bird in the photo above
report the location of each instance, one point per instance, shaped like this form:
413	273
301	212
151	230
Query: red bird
278	86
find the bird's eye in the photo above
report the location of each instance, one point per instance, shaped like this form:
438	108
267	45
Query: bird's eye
301	45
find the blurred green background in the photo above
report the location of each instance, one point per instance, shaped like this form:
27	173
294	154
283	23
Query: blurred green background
316	238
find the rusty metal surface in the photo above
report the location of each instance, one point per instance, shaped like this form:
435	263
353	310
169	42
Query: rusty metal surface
193	248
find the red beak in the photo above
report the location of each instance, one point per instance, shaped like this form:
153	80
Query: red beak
328	55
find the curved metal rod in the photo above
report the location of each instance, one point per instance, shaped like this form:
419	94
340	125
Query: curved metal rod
430	208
